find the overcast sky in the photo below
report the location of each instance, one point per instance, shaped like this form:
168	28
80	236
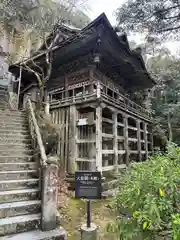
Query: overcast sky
96	7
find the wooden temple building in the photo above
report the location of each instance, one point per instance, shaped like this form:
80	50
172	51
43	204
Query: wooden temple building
91	89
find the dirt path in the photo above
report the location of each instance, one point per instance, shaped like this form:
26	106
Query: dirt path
74	215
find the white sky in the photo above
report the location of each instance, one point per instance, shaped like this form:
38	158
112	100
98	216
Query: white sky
96	7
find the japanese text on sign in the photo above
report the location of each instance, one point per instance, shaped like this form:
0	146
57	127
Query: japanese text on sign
88	185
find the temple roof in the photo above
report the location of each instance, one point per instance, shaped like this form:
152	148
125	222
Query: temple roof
99	37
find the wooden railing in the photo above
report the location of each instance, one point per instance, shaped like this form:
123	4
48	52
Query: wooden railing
119	100
65	99
35	133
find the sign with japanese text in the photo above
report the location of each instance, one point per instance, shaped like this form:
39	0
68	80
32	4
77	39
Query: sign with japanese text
88	185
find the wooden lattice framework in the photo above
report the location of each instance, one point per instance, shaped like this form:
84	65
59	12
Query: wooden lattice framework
100	127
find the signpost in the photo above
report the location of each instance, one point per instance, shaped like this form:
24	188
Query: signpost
88	186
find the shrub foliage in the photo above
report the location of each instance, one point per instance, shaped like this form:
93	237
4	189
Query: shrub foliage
148	199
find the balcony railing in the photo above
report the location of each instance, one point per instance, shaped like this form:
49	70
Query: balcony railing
61	98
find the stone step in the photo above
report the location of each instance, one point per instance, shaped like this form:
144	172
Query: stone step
19	208
3	97
13	127
19	195
10	140
16	158
15	152
9	112
3	104
21	174
13	131
15	146
18	224
18	184
56	234
9	119
18	166
13	118
111	184
17	136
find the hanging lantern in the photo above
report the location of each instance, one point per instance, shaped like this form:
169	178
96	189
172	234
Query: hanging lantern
97	58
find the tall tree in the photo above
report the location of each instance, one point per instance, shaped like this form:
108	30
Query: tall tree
160	16
165	97
28	23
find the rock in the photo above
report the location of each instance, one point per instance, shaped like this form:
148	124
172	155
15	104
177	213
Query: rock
53	159
109	193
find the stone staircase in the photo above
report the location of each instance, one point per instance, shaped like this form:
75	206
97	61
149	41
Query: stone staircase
3	97
20	196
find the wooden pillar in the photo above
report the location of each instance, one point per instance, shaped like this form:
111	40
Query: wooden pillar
146	140
139	139
66	86
99	138
91	77
98	90
92	149
115	141
72	140
126	145
152	142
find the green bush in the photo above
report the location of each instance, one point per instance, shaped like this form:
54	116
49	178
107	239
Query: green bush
148	199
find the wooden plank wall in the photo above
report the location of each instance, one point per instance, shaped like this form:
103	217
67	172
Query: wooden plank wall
61	116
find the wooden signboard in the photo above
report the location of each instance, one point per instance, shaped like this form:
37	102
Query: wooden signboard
88	185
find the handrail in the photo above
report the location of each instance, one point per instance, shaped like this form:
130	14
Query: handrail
38	134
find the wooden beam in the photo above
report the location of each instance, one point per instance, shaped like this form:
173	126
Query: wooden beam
85	160
120	138
92	149
108	168
133	151
91	75
99	138
107	151
132	139
133	128
120	124
122	166
139	139
146	140
106	135
66	140
73	154
63	112
87	105
85	141
115	141
120	109
107	120
121	152
152	144
126	145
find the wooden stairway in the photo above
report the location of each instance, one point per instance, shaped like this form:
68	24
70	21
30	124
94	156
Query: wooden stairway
20	196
